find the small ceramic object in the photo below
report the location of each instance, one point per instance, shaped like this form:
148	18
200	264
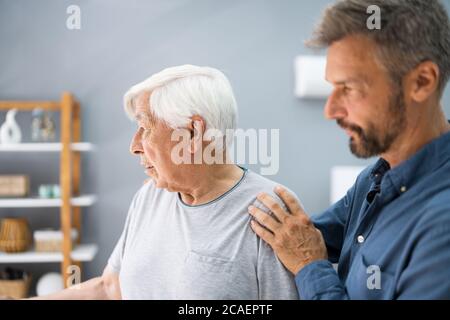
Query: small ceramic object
49	283
36	125
47	128
10	131
45	191
56	191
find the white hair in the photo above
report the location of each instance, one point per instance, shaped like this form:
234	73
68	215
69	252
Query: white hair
178	93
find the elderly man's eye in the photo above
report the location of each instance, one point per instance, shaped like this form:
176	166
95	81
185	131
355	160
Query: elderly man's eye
146	131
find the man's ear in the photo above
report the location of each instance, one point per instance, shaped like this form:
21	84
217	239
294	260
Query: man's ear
423	81
197	128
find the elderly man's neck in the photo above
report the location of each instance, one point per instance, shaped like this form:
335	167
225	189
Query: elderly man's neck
421	130
209	182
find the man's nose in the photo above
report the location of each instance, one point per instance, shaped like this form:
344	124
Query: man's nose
136	145
334	108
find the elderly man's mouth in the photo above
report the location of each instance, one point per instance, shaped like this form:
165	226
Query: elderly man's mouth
149	170
146	166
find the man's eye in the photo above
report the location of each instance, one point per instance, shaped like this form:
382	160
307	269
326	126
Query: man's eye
146	131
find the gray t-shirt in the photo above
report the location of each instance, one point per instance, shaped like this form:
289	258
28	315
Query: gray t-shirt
170	250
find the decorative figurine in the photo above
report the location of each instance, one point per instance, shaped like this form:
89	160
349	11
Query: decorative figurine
42	126
36	125
10	131
48	128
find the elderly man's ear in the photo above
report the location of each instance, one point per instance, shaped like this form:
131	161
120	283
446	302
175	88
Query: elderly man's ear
197	128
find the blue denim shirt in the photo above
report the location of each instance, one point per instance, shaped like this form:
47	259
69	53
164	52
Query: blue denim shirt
390	234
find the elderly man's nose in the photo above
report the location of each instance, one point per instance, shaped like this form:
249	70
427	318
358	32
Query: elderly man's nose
334	108
136	145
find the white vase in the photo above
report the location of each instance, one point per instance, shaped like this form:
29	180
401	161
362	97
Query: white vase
49	283
10	131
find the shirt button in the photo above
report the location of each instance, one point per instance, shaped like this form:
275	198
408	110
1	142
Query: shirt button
360	239
403	189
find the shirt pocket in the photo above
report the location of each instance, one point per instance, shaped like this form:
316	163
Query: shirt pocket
369	280
205	277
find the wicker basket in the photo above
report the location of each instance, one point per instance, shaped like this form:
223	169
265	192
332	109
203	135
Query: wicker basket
48	246
15	235
50	240
16	289
14	185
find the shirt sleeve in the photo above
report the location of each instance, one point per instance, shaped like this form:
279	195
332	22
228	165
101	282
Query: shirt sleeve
115	260
275	282
319	280
332	222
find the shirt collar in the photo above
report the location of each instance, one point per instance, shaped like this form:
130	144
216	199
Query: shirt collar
429	158
379	169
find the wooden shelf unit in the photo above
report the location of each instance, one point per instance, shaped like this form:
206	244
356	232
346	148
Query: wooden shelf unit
70	203
82	252
45	147
80	201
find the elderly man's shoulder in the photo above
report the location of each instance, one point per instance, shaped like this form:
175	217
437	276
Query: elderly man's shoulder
264	182
266	185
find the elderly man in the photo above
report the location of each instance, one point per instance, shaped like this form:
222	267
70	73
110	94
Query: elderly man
187	234
391	233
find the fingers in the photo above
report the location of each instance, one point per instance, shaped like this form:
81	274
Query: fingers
264	234
264	218
290	201
273	206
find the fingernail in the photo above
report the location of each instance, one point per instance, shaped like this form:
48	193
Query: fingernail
278	188
250	208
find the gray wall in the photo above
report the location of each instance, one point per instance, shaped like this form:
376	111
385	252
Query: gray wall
122	42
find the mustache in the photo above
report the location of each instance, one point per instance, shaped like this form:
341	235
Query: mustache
349	126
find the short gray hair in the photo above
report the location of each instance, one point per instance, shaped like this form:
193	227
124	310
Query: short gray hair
178	93
412	31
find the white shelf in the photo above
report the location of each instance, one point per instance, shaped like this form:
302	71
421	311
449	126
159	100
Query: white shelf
83	252
45	147
81	201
